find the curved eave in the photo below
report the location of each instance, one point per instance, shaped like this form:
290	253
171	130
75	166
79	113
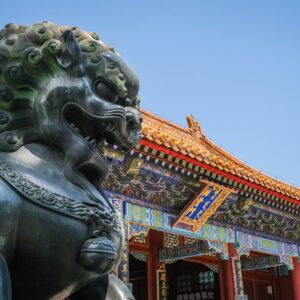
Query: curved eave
196	147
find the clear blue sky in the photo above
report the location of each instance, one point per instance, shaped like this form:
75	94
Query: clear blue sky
235	65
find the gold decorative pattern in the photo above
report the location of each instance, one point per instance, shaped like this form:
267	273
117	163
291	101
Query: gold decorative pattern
135	166
171	240
203	206
189	240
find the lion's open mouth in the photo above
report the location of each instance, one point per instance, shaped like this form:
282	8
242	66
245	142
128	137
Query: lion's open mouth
97	131
84	125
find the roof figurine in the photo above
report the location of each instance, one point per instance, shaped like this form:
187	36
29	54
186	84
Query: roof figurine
194	126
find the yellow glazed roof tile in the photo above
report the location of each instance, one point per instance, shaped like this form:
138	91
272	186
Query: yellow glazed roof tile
192	143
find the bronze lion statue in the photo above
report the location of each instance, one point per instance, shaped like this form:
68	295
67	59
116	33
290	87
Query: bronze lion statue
64	95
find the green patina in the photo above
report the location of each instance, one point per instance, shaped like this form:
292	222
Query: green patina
29	59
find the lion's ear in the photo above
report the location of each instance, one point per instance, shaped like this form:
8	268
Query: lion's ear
71	57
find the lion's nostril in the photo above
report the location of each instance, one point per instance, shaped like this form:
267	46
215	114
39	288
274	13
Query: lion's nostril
133	119
132	125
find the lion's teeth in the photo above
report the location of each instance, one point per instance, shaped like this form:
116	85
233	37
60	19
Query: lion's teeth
88	138
93	143
110	127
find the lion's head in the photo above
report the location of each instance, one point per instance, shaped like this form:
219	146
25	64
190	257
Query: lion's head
64	87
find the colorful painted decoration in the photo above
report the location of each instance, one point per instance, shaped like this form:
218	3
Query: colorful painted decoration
203	206
263	245
161	283
238	279
135	166
217	247
171	240
124	267
170	255
266	262
137	230
199	248
111	153
160	220
163	221
150	184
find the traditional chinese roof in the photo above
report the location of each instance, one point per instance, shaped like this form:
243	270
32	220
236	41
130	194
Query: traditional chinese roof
191	144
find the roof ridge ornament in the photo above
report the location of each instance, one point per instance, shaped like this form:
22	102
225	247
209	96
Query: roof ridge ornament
194	126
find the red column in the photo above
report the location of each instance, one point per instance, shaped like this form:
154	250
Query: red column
222	280
227	274
296	278
155	244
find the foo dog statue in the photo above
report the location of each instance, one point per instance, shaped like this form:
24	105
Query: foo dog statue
63	95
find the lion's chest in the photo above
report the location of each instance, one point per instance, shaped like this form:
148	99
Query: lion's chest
46	254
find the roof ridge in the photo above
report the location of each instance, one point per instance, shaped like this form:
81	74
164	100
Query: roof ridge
187	140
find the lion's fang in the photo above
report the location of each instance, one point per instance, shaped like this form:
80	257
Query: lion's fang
93	143
110	127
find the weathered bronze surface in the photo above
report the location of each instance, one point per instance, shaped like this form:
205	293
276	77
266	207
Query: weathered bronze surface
63	95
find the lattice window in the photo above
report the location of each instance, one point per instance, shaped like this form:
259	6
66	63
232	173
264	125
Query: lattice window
140	256
184	283
141	239
171	240
189	240
206	280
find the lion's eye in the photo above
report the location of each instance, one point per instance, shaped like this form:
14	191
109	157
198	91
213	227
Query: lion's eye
127	102
105	92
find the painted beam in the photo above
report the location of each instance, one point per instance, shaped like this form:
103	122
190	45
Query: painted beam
170	255
265	262
163	221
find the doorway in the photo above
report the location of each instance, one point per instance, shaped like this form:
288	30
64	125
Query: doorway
138	275
192	281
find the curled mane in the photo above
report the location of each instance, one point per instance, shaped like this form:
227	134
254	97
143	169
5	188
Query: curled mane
29	58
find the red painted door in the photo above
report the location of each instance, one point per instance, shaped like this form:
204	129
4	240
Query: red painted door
249	289
264	291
